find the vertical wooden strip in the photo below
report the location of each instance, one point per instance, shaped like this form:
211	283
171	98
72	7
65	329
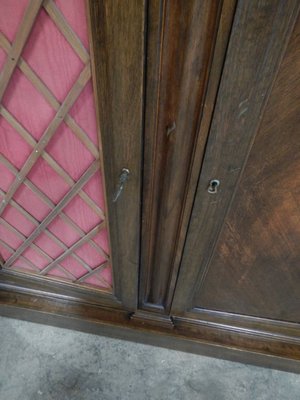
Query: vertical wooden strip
117	50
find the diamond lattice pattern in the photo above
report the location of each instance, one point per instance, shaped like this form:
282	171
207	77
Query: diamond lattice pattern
52	209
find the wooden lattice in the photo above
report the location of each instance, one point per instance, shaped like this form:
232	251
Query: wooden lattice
16	257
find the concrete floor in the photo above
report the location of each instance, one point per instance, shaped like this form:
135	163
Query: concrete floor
44	363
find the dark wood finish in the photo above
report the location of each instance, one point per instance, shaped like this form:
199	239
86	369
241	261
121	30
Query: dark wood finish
249	345
257	256
220	99
182	37
260	34
56	289
117	49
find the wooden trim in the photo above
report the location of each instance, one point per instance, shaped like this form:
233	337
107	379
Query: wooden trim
141	317
250	69
57	289
117	30
270	326
249	346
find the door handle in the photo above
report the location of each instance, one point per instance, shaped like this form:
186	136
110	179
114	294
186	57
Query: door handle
122	180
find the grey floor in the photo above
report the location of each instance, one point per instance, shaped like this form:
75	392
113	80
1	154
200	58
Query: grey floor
40	363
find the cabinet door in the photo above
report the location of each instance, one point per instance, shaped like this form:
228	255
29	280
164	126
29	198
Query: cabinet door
242	254
69	223
186	43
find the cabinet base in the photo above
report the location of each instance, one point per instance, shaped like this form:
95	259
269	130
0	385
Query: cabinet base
206	337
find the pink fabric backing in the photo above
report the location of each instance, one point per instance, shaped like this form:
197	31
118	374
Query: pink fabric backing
55	62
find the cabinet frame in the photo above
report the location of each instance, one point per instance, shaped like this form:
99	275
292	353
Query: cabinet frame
230	336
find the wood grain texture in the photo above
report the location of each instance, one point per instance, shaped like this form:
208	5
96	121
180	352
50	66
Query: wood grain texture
275	348
258	41
181	40
257	256
117	49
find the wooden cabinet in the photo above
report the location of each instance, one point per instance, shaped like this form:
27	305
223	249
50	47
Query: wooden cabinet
197	108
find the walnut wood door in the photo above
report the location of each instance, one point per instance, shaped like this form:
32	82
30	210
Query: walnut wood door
67	222
186	44
242	253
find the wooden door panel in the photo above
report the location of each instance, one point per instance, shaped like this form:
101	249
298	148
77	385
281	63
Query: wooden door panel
53	219
255	269
58	172
232	276
117	30
186	43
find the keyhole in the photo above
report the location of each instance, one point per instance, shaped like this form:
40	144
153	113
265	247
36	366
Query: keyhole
213	186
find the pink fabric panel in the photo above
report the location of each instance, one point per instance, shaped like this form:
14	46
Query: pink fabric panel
104	279
3	251
48	246
102	240
94	188
73	266
51	57
27	105
7	177
12	12
77	159
63	232
36	258
74	12
31	203
13	146
9	237
81	112
2	58
16	219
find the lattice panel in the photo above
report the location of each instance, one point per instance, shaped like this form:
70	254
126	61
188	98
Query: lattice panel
52	208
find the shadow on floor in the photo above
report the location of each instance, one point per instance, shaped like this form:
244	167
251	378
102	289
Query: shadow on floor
43	363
